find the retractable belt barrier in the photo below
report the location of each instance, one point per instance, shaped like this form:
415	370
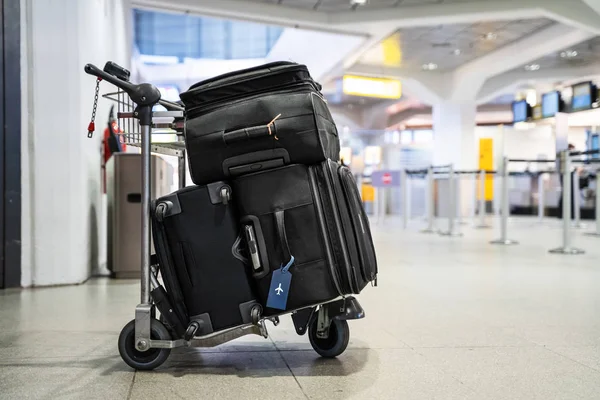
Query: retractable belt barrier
566	248
504	201
597	232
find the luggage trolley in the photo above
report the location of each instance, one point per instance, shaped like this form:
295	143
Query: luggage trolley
146	342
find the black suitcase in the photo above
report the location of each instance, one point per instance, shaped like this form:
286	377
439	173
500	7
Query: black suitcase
316	215
194	230
256	119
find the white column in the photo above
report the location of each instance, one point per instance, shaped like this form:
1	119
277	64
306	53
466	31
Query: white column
454	134
62	211
454	143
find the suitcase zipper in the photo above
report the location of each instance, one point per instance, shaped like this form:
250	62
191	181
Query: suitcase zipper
332	196
249	74
322	224
362	227
205	108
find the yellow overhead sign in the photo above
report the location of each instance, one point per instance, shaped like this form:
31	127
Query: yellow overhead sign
372	87
392	52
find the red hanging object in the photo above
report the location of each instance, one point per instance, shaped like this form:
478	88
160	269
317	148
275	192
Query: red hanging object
91	128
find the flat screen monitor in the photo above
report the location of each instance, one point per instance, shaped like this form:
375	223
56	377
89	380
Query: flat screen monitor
582	96
550	104
521	111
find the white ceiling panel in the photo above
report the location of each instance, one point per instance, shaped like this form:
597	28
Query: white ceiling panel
450	46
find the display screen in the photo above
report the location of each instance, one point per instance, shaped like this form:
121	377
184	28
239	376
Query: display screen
582	96
550	104
520	111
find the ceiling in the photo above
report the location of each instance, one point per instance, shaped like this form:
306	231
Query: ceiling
449	46
345	5
588	52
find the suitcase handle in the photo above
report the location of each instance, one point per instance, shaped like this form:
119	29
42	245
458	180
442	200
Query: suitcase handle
253	132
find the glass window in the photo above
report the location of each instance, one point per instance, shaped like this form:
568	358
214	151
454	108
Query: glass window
180	35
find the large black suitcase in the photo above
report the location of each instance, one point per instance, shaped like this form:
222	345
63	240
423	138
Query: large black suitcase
314	214
256	119
194	230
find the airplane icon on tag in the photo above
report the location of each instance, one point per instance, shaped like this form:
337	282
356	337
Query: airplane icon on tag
279	290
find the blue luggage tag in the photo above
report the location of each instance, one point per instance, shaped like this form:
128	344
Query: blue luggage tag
280	287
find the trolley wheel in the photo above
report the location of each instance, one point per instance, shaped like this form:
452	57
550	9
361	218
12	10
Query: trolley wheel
143	360
336	342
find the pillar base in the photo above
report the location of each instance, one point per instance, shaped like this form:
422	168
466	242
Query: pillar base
567	251
505	242
450	233
593	234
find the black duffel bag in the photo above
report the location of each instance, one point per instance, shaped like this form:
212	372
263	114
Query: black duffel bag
256	119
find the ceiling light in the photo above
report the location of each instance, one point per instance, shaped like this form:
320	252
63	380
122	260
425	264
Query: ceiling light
532	67
358	2
457	52
490	36
430	66
569	54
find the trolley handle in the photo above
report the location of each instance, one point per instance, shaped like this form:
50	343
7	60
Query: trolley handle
143	94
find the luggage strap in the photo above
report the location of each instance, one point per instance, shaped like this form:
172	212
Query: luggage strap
285	247
252	132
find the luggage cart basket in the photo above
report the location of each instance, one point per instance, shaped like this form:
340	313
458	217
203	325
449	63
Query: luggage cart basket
145	342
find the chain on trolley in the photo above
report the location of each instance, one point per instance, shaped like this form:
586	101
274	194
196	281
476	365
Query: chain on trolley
92	125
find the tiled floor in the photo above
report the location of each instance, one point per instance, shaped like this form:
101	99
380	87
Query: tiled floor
452	318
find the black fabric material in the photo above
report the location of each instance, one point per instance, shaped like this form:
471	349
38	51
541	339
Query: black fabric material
353	226
326	228
269	108
197	244
288	190
250	80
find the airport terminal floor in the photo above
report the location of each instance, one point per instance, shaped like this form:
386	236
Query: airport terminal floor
451	318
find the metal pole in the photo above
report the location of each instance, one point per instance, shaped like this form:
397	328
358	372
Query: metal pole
474	197
430	202
505	207
541	197
405	205
597	233
566	195
451	204
482	223
458	217
182	169
146	179
577	201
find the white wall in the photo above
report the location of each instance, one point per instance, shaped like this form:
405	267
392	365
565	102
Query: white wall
62	215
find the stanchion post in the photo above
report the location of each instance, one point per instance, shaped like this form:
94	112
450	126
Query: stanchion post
404	183
541	197
408	197
504	240
482	224
576	200
597	233
567	248
451	204
430	202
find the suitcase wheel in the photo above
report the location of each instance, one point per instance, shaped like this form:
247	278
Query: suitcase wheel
335	343
256	314
143	360
225	194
